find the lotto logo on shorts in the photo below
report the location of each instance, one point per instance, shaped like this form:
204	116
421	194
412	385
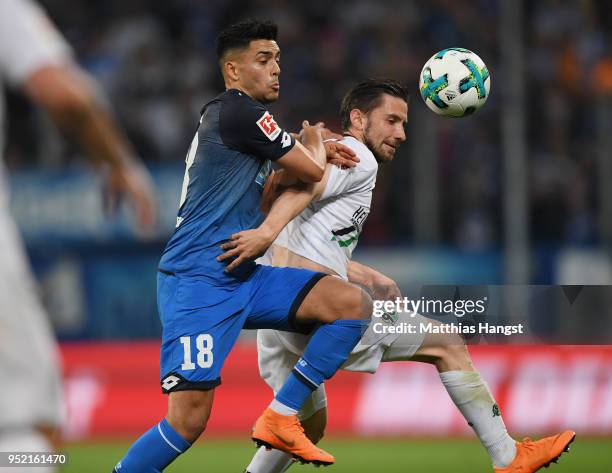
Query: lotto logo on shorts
269	127
170	382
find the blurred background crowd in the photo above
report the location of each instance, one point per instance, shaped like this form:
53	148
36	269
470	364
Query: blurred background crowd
156	62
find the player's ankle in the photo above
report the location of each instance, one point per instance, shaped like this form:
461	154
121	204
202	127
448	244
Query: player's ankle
503	453
281	408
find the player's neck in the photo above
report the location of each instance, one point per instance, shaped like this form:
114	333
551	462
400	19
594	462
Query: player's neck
239	88
355	134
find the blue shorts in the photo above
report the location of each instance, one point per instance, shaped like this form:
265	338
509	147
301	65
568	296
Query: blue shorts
201	322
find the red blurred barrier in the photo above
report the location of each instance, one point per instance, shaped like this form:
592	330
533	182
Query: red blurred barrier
112	389
540	389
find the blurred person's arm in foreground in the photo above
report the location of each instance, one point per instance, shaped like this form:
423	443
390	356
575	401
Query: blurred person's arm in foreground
36	59
69	97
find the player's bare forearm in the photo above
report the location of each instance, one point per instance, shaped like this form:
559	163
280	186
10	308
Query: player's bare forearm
283	203
279	181
358	273
313	142
289	204
381	286
250	244
70	98
306	160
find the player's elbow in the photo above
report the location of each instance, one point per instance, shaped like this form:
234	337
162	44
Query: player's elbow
305	164
71	107
64	94
312	175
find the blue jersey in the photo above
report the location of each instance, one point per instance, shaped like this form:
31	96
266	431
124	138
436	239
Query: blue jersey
227	166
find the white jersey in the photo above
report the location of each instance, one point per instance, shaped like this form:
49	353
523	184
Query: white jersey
28	42
327	231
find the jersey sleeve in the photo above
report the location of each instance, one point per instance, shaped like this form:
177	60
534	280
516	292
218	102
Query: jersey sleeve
249	128
28	41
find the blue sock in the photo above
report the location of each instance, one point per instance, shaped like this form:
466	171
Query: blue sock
154	451
328	348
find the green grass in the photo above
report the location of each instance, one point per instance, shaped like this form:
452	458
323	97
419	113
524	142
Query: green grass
352	456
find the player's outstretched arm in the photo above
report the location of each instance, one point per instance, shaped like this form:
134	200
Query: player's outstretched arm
70	98
284	197
291	200
381	286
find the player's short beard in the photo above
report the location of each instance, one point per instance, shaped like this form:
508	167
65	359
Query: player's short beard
380	158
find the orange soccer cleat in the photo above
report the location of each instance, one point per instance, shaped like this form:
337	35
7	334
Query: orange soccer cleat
274	430
533	455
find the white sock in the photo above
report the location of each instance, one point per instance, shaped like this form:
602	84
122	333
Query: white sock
269	461
26	440
282	409
473	398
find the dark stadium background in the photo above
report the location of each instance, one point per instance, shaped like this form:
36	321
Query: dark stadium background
518	193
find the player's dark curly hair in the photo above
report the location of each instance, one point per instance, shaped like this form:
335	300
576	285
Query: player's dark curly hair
240	34
366	95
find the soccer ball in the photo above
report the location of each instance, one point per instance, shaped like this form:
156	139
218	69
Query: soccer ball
455	82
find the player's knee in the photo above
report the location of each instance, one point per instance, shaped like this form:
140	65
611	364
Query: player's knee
191	425
367	305
188	413
333	299
357	304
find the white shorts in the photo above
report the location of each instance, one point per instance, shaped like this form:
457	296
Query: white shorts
29	359
278	352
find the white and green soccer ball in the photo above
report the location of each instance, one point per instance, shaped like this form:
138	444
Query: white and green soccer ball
455	82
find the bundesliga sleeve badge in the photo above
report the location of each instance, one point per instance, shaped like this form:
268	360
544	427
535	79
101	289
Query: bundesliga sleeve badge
268	126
